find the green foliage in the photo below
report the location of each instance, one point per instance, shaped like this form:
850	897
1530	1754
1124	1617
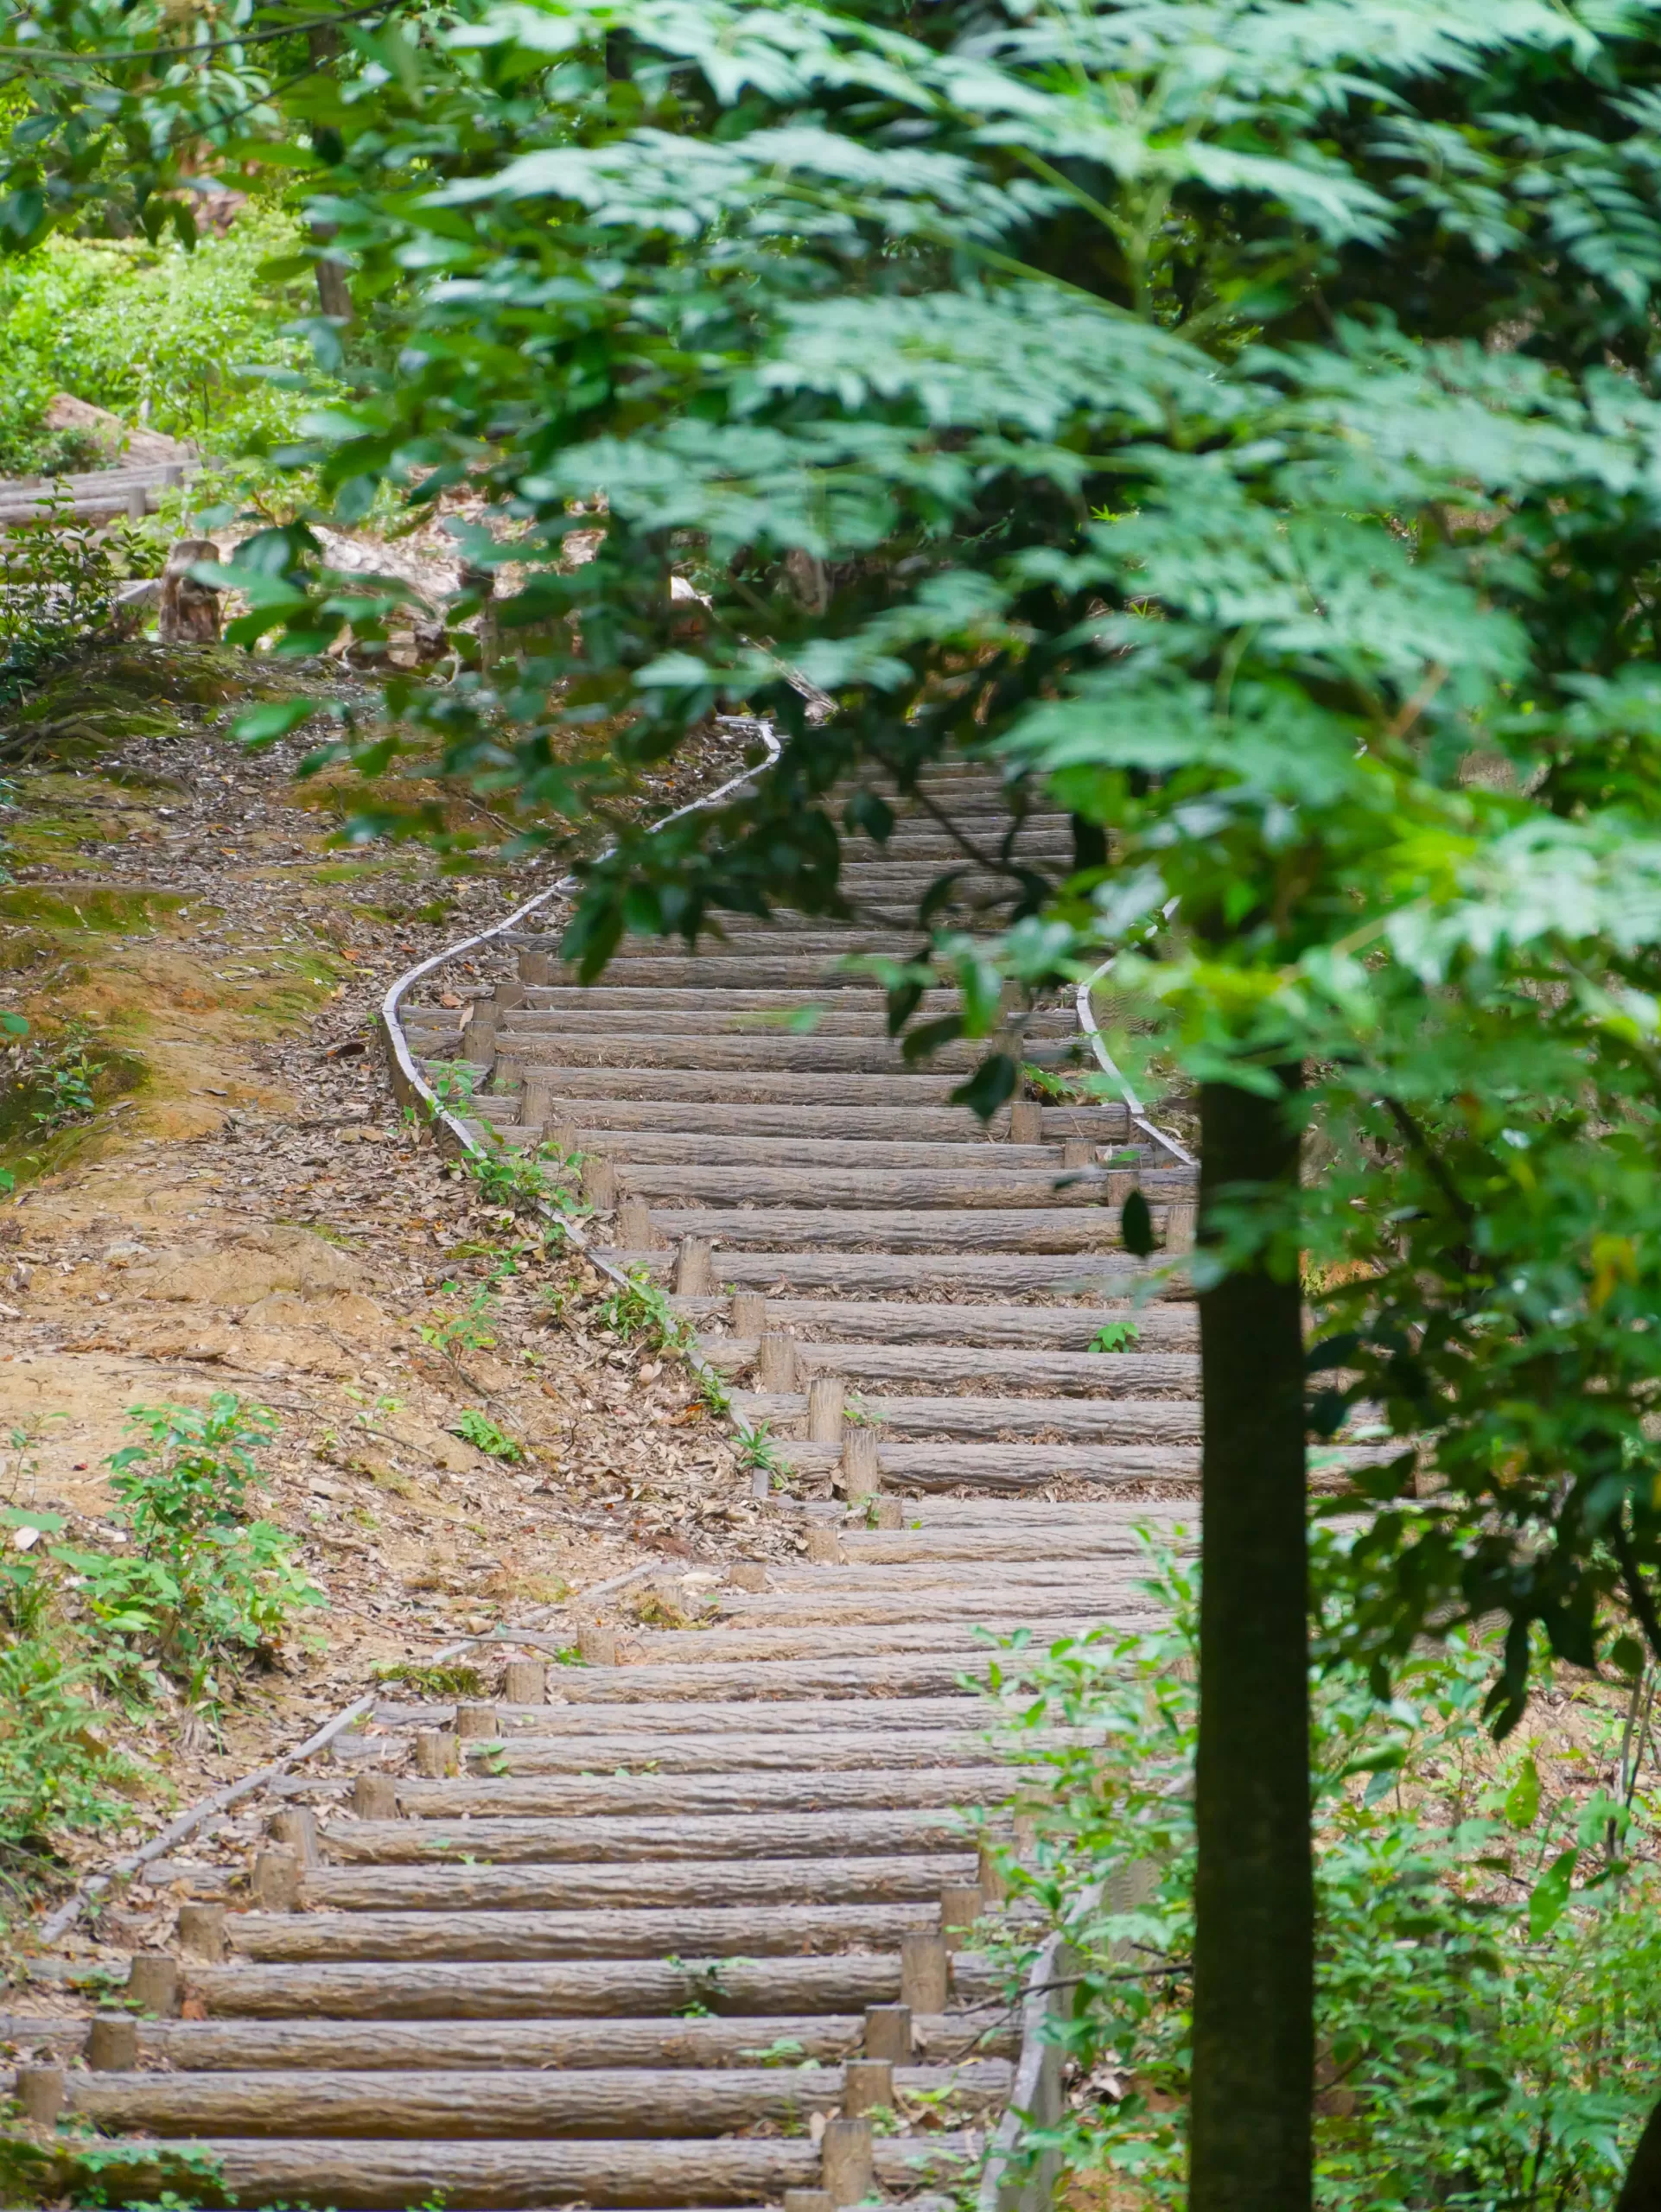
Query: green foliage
468	1328
541	1180
452	1679
204	1589
57	1770
156	333
478	1429
1116	1336
67	1077
57	589
1488	2006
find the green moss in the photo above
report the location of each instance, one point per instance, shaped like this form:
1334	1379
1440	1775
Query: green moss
27	1150
99	907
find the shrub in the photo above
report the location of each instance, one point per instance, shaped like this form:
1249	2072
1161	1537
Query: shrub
204	1588
1489	1962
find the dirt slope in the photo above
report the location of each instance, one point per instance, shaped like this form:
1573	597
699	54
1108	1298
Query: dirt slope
244	1212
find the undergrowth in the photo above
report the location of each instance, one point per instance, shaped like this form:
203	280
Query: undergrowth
1489	2002
190	1592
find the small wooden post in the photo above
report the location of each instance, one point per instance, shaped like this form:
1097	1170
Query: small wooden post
1026	1121
848	2167
1121	1181
750	1314
596	1644
961	1905
747	1574
825	1548
867	2083
200	1932
990	1882
374	1797
890	1513
476	1722
599	1183
887	2033
435	1753
827	1398
153	1983
276	1878
692	1274
1180	1219
40	2091
862	1470
524	1682
775	1362
112	2043
635	1232
297	1828
924	1971
1078	1152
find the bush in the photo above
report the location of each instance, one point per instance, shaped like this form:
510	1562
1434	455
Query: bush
1489	2007
203	1589
155	333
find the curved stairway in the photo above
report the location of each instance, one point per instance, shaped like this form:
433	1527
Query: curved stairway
701	1920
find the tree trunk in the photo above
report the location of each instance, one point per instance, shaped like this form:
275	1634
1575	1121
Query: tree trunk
1641	2191
333	285
1253	1941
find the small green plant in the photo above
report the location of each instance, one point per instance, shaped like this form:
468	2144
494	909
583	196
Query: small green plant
56	1768
783	2050
529	1182
203	1589
65	1075
484	1435
57	588
453	1085
757	1452
1116	1336
470	1329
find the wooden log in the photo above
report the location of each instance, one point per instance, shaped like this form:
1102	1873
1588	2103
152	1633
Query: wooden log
635	1225
824	1547
849	2169
1026	1121
925	1972
599	1183
40	2091
437	1753
596	1644
448	2107
201	1931
961	1906
866	2084
908	1876
295	1829
861	1468
617	1796
693	1753
826	1400
979	1230
380	2176
741	1715
276	1878
752	1835
524	1682
477	1722
153	1983
374	1797
630	1932
1153	1423
889	2033
574	1988
747	1574
393	2046
112	2043
693	1275
1010	1467
775	1364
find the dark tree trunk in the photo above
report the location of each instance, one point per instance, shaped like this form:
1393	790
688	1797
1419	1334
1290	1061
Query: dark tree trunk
1253	1941
334	286
1641	2191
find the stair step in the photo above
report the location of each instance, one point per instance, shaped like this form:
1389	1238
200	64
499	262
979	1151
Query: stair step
448	2107
653	1795
503	1838
917	1877
1084	1374
194	2045
976	1232
384	2175
847	1981
623	1932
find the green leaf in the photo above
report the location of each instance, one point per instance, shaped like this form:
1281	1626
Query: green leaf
1523	1798
1548	1899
